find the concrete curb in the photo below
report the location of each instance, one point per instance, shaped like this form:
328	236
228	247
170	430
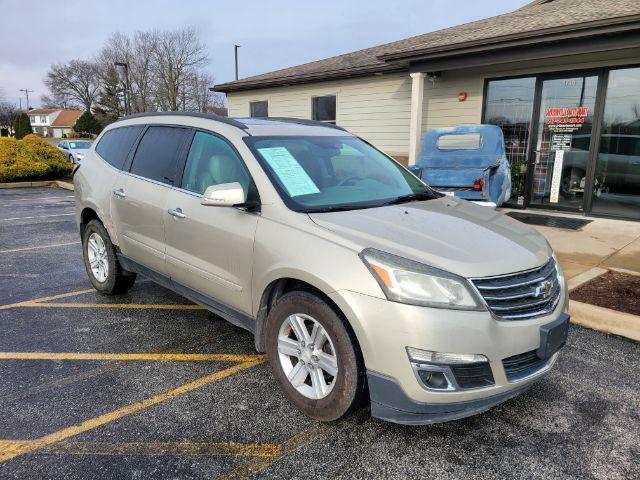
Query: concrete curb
585	277
605	320
41	183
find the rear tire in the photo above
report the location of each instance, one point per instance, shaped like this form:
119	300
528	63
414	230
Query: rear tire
105	272
326	369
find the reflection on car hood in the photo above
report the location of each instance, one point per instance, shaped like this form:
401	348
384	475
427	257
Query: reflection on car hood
454	235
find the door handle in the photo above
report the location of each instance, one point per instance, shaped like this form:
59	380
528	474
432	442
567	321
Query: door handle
118	192
176	212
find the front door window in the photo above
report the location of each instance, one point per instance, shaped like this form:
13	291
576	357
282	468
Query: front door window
563	139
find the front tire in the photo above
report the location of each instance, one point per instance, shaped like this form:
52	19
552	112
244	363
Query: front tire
314	357
105	272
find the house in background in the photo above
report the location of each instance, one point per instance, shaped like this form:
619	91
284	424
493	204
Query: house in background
51	122
560	77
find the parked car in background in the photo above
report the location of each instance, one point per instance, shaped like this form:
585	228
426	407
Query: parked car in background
74	150
466	162
354	276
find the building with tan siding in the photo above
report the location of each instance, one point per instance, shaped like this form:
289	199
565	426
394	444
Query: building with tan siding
556	75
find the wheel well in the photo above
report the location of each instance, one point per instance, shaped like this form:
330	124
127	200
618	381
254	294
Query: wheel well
85	217
274	291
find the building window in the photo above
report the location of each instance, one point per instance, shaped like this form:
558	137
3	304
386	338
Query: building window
616	187
259	109
323	109
43	119
509	105
33	119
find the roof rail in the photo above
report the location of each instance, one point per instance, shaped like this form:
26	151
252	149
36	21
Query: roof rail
302	121
208	116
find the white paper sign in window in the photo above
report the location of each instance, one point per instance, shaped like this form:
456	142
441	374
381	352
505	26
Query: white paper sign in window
293	177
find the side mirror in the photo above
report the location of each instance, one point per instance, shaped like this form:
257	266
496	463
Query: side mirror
224	195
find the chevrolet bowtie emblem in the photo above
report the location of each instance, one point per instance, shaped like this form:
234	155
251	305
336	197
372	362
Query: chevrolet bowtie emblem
543	289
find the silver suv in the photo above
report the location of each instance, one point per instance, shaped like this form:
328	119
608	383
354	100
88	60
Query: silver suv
355	277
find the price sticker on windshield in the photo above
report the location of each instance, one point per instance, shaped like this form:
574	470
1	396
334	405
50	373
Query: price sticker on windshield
293	177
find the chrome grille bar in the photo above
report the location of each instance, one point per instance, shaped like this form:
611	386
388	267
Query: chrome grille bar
521	295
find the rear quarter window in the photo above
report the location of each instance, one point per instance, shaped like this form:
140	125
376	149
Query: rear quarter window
115	145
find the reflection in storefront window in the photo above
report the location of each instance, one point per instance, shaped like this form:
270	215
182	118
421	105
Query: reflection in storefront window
616	189
509	105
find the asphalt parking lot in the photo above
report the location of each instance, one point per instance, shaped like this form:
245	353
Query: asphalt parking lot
148	385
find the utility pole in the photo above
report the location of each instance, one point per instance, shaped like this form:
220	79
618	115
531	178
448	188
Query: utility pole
235	51
127	96
26	92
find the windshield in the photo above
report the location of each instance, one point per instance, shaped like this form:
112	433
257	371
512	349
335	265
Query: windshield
334	173
80	145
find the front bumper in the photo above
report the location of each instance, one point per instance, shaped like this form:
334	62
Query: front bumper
384	330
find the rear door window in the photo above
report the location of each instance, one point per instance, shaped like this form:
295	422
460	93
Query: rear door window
157	153
114	146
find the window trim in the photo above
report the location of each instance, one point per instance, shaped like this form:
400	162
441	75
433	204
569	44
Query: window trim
329	94
258	101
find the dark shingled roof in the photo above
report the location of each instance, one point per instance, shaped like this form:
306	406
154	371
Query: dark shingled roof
537	18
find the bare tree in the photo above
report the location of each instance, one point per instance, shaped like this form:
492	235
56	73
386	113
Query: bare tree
177	54
8	114
77	80
52	101
136	52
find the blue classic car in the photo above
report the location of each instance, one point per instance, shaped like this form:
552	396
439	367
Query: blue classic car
466	162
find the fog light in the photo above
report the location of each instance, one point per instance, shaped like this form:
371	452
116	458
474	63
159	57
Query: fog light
425	356
436	380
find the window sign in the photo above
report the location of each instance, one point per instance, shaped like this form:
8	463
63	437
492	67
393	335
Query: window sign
557	177
565	120
290	173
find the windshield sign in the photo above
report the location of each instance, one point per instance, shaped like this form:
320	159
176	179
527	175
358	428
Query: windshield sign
80	145
315	174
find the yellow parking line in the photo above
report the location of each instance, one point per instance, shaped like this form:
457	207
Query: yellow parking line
252	467
98	370
46	299
46	302
13	450
148	357
258	450
111	305
14	250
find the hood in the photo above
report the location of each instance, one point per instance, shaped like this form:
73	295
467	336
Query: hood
450	234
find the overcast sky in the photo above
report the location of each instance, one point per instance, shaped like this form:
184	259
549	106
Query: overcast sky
273	34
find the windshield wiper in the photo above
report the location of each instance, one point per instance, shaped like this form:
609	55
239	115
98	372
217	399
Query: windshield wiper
411	197
337	208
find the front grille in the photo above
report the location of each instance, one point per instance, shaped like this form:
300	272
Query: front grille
473	375
521	295
522	365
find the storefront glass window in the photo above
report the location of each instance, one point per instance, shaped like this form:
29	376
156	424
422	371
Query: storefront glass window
616	189
509	105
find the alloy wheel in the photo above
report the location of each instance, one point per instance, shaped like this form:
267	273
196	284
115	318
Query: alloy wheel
97	256
307	356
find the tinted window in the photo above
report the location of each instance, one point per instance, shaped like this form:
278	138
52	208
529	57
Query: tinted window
212	161
157	153
259	109
324	108
114	146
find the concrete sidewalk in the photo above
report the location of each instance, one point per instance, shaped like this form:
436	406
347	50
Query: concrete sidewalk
602	243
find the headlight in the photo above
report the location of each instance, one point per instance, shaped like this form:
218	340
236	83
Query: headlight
406	281
79	156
